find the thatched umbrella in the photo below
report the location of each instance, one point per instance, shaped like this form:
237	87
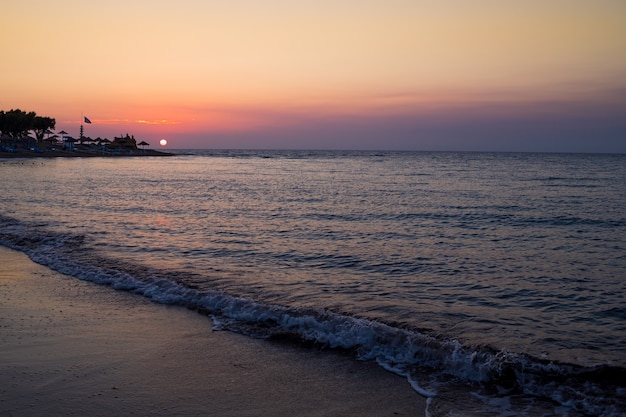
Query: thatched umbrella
69	140
49	132
143	145
102	143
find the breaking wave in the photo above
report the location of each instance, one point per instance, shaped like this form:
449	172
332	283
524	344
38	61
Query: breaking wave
599	390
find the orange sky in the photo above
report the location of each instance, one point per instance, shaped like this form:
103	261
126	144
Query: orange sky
237	73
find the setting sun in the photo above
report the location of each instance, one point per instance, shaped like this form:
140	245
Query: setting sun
163	142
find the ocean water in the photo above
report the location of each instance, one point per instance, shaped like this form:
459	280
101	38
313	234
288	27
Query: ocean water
494	282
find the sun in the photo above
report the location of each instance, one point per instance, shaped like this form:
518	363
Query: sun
163	142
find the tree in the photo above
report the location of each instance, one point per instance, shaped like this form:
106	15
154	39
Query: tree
41	125
16	123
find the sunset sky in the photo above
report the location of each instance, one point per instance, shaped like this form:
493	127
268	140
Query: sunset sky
497	75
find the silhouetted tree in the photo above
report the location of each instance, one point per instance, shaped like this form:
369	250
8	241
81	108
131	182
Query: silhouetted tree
41	125
16	123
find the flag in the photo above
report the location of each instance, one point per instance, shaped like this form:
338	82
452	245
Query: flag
87	120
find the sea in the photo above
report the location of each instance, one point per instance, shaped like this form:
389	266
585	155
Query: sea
494	283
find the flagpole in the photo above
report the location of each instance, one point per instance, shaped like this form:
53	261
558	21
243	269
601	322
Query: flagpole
81	125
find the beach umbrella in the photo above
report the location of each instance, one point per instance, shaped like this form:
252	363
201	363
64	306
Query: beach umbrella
49	132
63	132
143	143
70	140
103	143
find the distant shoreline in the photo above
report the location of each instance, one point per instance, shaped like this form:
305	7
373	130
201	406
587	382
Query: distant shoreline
26	153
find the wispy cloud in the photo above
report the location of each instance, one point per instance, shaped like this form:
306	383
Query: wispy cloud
158	122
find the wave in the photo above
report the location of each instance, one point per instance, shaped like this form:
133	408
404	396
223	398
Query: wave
476	219
597	390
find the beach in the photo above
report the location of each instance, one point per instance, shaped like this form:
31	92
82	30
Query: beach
70	347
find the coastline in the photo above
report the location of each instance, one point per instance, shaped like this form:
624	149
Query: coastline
26	153
71	347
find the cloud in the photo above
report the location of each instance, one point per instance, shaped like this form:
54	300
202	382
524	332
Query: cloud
158	122
595	123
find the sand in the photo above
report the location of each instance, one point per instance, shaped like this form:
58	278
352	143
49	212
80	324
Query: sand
69	347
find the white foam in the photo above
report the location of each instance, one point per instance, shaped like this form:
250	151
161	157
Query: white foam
424	392
397	350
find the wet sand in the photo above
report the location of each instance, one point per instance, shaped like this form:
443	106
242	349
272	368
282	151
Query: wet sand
69	347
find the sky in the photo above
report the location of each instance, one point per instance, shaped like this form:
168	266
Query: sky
466	75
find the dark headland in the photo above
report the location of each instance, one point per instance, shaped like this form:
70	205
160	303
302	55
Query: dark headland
16	140
77	153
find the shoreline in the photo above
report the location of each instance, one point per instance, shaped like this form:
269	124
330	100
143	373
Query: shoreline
25	153
70	347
